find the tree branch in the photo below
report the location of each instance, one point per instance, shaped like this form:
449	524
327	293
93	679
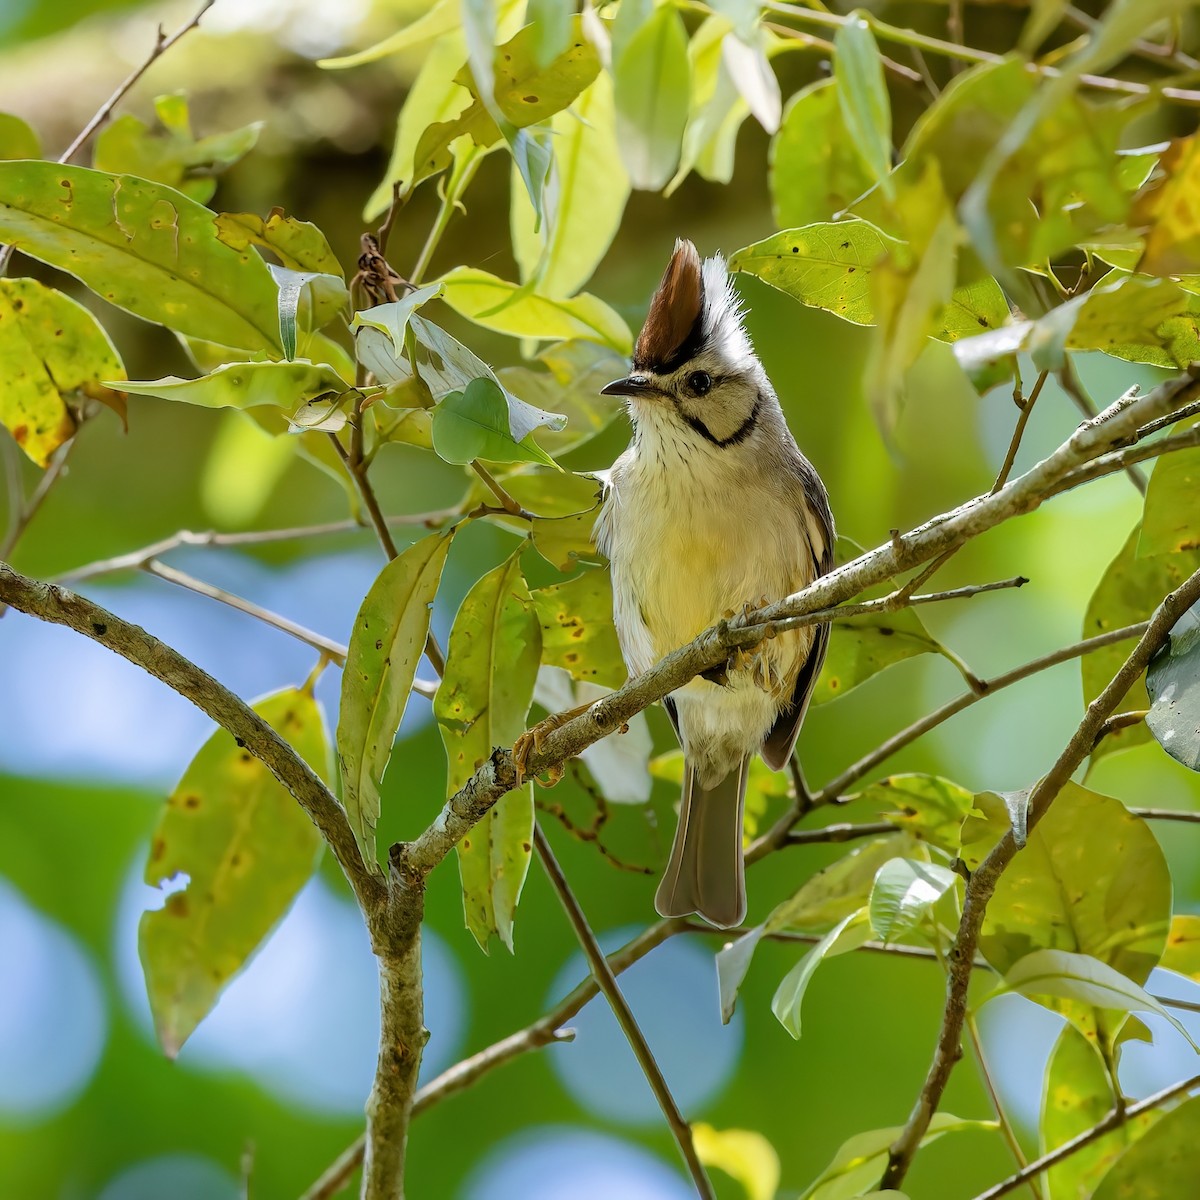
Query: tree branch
54	604
607	981
984	879
1094	438
1115	1119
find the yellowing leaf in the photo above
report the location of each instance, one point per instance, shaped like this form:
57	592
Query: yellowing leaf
509	308
483	702
745	1155
17	139
1091	880
1168	206
245	847
243	385
142	246
1183	946
1162	1164
577	629
1077	1095
51	348
385	648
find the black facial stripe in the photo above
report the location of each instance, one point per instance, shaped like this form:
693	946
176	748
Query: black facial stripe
740	434
688	348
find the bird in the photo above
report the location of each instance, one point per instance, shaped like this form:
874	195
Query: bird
712	510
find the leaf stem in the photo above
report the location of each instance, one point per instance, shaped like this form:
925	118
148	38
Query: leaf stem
607	982
452	194
497	489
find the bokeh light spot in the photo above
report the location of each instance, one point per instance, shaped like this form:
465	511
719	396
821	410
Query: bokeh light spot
53	1019
673	993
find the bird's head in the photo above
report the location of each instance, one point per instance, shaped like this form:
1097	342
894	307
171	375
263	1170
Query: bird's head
693	364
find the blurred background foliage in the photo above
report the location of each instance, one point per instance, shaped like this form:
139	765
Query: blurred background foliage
272	1085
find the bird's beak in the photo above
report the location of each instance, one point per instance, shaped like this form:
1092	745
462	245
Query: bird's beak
631	385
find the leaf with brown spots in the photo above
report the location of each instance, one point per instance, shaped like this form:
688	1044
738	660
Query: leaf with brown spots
245	848
142	246
385	648
51	350
483	701
577	629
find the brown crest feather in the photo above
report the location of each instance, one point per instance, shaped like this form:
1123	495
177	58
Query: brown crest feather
674	316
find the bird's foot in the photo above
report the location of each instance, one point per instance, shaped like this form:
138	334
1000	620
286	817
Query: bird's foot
530	743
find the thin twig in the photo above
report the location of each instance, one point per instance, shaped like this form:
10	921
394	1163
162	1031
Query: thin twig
909	37
845	832
332	650
26	511
1166	814
496	488
1115	1119
984	879
1151	51
1006	1129
1019	432
135	559
607	981
1119	721
162	44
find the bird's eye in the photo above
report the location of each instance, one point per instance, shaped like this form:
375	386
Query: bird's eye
700	382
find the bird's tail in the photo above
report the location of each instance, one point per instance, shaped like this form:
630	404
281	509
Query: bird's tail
705	874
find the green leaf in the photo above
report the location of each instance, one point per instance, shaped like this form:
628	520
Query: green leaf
742	1154
1162	1164
1084	979
575	372
815	172
745	59
550	493
441	19
521	312
928	807
482	702
1091	879
905	893
51	349
577	629
1183	946
245	847
551	22
243	385
1173	683
862	96
17	139
650	79
443	363
385	648
839	889
848	934
733	963
861	1159
826	265
1171	513
568	542
589	187
474	423
1077	1095
143	247
170	153
862	646
1129	591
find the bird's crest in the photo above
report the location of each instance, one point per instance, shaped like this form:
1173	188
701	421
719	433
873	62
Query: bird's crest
694	308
